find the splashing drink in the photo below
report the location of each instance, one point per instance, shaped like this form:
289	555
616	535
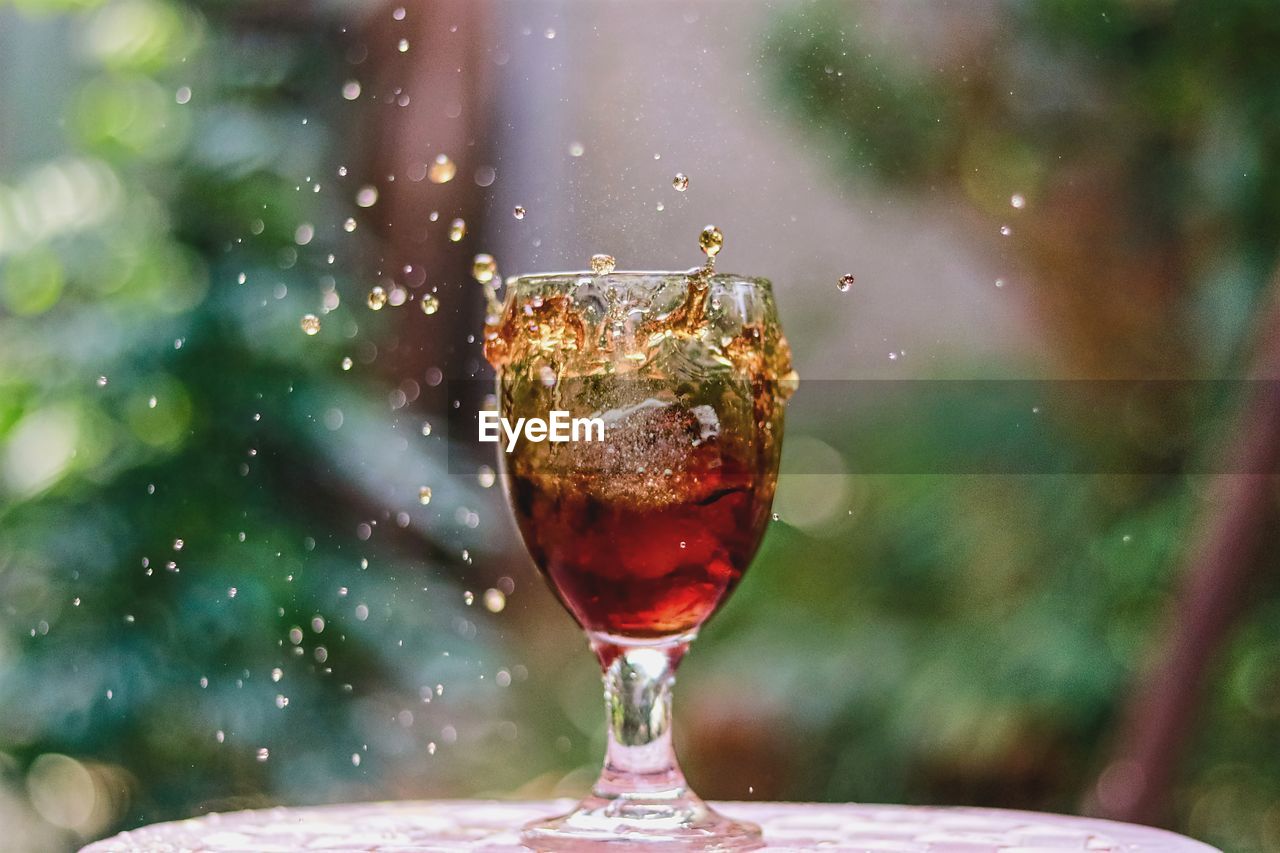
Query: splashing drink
643	534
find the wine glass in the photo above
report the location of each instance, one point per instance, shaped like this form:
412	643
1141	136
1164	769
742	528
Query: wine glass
642	535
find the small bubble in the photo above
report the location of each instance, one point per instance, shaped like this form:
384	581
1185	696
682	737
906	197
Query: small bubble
494	600
486	476
151	402
775	516
711	241
183	95
468	598
845	282
263	755
220	736
403	46
310	324
457	230
102	382
1018	201
397	296
518	211
426	428
231	592
429	303
680	182
484	268
346	363
362	612
242	278
367	196
550	32
424	495
377	298
348	226
442	170
398	15
999	282
603	264
355	759
282	701
351	90
178	544
576	149
1005	230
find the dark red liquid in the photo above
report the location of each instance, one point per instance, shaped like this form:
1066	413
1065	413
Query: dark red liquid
651	567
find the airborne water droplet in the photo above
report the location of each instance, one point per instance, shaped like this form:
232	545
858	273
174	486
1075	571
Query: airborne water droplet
310	324
457	229
603	264
1018	201
377	298
430	304
576	149
367	196
484	268
346	363
404	45
845	282
680	182
424	495
518	212
442	170
1005	230
711	240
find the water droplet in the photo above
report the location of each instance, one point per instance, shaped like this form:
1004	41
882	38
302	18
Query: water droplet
424	495
355	759
426	428
429	303
310	324
102	382
494	600
711	241
220	736
484	268
680	182
367	196
468	598
348	226
1006	230
397	296
351	90
603	264
398	14
282	701
1018	201
377	298
999	282
242	278
518	212
775	516
576	149
486	476
362	612
346	363
845	282
151	402
442	170
177	544
550	32
457	229
183	95
403	46
263	755
317	623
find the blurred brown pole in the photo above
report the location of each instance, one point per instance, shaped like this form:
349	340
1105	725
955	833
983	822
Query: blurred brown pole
1221	561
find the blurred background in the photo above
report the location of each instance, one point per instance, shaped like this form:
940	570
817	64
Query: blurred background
224	584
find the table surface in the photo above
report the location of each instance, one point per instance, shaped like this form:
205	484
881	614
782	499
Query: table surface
494	827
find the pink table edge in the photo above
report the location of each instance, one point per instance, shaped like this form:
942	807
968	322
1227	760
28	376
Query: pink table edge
492	825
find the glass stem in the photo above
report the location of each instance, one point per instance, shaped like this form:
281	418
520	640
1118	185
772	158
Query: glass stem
640	761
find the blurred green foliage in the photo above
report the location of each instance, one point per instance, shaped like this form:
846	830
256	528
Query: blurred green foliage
996	624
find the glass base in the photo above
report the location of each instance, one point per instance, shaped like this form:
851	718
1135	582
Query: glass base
642	822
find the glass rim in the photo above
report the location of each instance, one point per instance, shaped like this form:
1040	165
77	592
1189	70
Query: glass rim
514	282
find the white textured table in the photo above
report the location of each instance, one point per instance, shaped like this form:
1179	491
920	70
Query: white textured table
494	826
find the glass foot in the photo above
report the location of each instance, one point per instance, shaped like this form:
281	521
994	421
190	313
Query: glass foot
641	822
